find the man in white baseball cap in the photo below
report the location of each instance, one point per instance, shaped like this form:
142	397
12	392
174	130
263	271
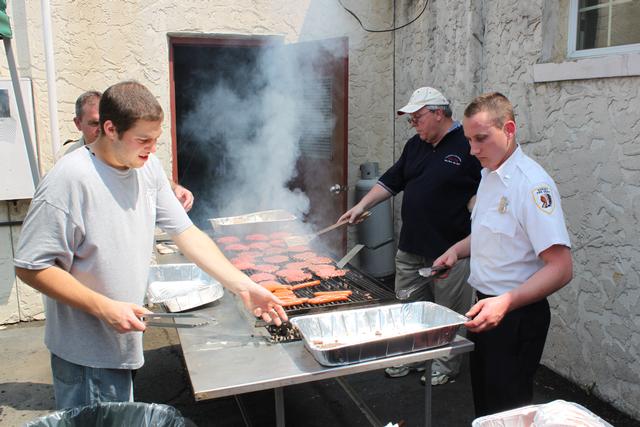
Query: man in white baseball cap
439	178
423	97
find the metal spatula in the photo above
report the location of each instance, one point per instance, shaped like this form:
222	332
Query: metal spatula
306	238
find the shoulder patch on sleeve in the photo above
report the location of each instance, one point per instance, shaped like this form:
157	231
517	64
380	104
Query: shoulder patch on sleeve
543	198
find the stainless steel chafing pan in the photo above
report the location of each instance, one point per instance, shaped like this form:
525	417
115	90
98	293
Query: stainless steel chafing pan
351	336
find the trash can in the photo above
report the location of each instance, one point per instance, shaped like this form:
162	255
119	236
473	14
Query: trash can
115	414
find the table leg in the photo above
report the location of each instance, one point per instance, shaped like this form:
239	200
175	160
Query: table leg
366	411
279	394
243	411
427	393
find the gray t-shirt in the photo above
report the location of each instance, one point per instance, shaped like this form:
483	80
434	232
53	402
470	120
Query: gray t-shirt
97	223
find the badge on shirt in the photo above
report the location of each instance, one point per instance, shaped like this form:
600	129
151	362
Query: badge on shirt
503	204
453	159
543	198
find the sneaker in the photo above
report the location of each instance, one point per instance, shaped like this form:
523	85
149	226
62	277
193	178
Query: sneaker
402	370
437	378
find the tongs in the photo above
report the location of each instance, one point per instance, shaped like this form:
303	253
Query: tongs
428	272
306	238
164	320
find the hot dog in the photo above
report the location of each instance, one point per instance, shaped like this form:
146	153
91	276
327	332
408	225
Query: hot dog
332	293
327	298
305	284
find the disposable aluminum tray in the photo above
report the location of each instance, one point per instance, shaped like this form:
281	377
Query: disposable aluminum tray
343	337
556	413
182	286
255	222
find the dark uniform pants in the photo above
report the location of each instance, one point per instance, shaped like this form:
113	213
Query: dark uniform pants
505	359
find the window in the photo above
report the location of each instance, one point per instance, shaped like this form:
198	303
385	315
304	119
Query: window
599	27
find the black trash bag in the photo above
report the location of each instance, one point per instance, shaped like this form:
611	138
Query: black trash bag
114	414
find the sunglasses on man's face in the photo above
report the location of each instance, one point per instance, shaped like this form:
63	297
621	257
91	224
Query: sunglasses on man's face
413	118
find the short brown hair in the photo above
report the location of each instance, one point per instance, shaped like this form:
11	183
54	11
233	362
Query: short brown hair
494	103
84	99
127	102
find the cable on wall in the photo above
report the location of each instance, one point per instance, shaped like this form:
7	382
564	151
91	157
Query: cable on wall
387	30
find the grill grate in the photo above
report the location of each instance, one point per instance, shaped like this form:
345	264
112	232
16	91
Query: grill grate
365	291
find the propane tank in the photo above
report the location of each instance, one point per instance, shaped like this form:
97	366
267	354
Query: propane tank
377	230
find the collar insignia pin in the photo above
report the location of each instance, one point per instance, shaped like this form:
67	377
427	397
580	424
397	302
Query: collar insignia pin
502	206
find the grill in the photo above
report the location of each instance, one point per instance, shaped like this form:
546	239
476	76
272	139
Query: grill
365	289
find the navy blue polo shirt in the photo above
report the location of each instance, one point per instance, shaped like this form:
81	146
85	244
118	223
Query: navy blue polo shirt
437	183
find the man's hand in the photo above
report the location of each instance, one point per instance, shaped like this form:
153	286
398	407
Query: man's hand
121	316
184	196
449	258
487	313
376	195
353	215
263	303
63	287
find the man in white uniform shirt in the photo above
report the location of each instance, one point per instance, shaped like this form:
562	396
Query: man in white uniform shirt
520	254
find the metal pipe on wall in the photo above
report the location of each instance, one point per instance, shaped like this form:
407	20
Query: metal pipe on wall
51	76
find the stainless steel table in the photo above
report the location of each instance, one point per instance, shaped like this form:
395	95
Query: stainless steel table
231	357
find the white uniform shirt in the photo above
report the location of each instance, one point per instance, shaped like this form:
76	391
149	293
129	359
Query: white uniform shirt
517	216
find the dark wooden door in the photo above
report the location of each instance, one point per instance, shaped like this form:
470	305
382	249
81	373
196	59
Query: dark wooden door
198	64
323	159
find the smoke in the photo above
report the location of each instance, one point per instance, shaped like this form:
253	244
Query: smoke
251	127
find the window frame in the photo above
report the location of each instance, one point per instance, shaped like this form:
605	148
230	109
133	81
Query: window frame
573	52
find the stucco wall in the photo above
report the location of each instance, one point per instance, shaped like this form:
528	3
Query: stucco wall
586	134
98	43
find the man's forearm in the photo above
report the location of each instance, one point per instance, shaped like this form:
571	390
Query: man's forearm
200	249
62	286
555	274
463	248
376	195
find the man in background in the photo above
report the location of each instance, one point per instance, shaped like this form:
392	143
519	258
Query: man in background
87	121
438	178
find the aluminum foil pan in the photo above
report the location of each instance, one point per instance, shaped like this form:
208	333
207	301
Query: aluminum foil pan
343	337
263	221
181	286
556	413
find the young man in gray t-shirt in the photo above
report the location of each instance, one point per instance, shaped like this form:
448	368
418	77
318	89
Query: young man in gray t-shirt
86	243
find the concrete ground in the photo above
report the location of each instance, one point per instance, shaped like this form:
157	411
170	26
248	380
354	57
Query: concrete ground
26	392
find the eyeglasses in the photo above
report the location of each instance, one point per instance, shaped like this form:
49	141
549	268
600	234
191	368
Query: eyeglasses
413	119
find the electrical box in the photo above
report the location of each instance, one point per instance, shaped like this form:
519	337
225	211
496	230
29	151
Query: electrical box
16	181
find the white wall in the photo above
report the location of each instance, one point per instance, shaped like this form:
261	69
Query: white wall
99	43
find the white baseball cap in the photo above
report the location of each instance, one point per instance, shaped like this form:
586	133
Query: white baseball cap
421	97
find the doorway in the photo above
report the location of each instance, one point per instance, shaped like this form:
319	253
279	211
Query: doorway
246	111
